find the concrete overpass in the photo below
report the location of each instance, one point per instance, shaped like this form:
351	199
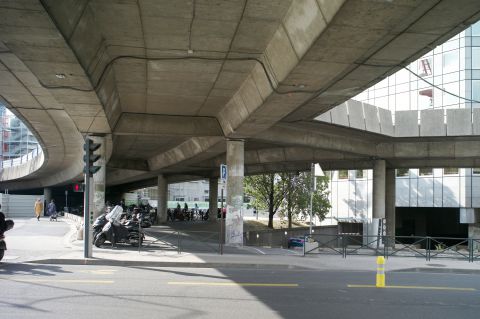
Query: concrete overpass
176	87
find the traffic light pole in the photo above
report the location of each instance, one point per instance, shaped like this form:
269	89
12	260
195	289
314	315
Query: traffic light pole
86	218
89	158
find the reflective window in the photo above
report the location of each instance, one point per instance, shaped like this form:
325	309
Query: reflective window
425	171
402	171
450	61
359	174
450	171
343	174
476	58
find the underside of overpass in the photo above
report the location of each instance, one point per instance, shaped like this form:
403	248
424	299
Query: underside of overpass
168	82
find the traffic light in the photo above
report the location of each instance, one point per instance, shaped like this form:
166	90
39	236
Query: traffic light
90	157
78	188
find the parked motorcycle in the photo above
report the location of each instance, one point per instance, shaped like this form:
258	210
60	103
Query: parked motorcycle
98	224
4	226
116	232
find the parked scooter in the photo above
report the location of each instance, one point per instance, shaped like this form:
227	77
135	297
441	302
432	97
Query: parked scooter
116	232
4	226
98	224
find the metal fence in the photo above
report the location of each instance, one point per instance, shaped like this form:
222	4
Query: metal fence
406	246
183	241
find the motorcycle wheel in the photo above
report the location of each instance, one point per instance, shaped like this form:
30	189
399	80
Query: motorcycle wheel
136	241
2	252
100	240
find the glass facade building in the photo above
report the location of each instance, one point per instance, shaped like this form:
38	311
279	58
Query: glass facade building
448	77
16	139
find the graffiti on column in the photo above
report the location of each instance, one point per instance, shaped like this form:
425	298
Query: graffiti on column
234	222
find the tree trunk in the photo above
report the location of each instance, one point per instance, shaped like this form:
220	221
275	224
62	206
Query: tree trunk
270	207
270	219
289	210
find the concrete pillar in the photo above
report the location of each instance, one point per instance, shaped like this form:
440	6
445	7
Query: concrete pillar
162	199
234	219
47	197
390	203
97	193
378	205
213	199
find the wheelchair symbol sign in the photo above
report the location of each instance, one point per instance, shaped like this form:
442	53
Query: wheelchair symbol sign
223	172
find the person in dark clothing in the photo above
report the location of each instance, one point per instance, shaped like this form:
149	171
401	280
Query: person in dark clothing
3	225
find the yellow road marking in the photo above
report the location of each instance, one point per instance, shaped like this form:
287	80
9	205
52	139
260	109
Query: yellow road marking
413	287
244	284
74	281
100	271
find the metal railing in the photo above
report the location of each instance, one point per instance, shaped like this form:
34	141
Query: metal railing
182	241
404	246
22	159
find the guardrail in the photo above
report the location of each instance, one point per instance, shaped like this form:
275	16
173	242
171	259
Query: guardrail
405	246
22	159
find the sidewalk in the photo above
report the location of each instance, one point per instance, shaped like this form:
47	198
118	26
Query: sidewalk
246	257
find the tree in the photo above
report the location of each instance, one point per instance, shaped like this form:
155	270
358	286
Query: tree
268	191
297	198
288	190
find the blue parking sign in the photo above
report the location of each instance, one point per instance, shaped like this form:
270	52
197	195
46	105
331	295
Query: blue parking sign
223	172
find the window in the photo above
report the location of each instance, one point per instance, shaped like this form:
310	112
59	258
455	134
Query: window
403	172
476	90
206	191
179	199
476	29
425	172
450	171
476	170
450	61
425	66
359	174
343	174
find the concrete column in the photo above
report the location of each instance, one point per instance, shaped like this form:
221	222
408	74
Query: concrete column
390	203
47	197
162	199
98	182
234	219
213	199
378	205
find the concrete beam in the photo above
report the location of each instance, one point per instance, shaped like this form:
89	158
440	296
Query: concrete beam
138	165
184	151
167	125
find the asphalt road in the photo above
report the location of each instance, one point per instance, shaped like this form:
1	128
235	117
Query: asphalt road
66	291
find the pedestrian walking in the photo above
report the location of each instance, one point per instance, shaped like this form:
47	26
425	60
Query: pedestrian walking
38	208
51	208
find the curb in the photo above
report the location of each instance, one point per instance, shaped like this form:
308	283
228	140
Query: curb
133	263
457	271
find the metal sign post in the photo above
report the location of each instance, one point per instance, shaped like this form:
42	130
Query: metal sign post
223	176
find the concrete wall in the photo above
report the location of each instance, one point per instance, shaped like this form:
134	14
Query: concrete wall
438	122
278	238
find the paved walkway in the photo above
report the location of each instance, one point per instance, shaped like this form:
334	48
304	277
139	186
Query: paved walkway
68	250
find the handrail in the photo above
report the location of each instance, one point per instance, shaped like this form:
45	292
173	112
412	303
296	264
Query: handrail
22	159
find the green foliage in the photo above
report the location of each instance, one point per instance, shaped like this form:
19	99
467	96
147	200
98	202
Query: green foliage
289	192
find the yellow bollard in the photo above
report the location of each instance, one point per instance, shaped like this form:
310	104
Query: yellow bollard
380	272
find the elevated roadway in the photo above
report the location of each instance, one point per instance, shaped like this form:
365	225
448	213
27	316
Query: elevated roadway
167	83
